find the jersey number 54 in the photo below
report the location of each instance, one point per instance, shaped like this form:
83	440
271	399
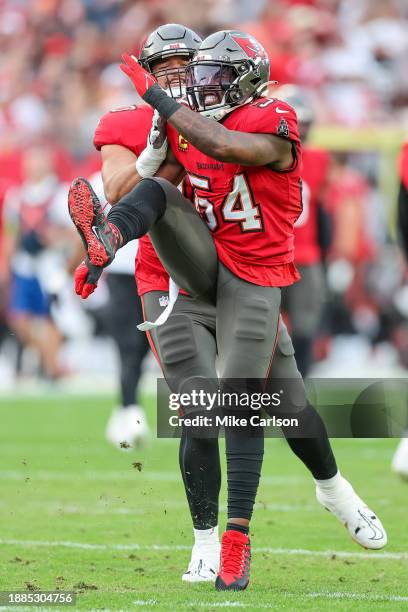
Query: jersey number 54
237	207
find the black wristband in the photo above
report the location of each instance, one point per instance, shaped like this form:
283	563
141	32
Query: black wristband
156	97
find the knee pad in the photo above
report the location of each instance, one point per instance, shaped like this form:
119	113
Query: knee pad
253	319
176	340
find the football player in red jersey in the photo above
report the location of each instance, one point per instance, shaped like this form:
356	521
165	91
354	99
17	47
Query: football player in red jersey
400	459
121	137
245	173
303	301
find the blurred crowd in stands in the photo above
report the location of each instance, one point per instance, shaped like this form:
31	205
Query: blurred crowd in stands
58	75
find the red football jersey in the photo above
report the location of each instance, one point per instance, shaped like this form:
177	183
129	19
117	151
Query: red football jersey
404	165
251	210
129	127
315	167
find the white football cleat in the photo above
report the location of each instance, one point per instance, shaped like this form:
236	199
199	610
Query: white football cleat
361	522
399	463
127	427
204	564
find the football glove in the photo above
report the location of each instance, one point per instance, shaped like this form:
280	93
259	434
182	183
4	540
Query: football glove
150	160
147	87
86	277
141	79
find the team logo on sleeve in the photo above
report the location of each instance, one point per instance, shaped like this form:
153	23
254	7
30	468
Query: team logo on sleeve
182	143
283	128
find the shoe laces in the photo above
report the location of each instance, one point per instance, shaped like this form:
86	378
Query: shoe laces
233	556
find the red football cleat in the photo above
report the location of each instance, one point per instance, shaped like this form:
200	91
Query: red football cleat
235	562
100	238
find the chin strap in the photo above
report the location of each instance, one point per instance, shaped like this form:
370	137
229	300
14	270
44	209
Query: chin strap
219	113
264	87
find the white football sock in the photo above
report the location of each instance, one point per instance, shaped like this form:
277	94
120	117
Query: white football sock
331	487
206	536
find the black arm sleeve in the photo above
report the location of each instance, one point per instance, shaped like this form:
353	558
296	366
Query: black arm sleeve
403	219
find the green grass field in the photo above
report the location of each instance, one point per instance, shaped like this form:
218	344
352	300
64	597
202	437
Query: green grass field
75	514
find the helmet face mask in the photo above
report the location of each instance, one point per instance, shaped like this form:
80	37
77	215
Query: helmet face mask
210	85
172	80
227	71
169	41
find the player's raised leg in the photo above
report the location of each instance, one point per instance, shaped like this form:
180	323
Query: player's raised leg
154	206
185	246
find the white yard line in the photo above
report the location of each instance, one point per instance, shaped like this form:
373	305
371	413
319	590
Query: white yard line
266	606
150	603
360	596
55	507
222	604
397	556
131	474
86	546
394	556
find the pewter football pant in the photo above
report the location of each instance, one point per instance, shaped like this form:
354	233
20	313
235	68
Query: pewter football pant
303	303
186	349
247	335
182	240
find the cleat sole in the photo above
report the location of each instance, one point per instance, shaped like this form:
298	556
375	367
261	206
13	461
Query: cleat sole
230	588
83	206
